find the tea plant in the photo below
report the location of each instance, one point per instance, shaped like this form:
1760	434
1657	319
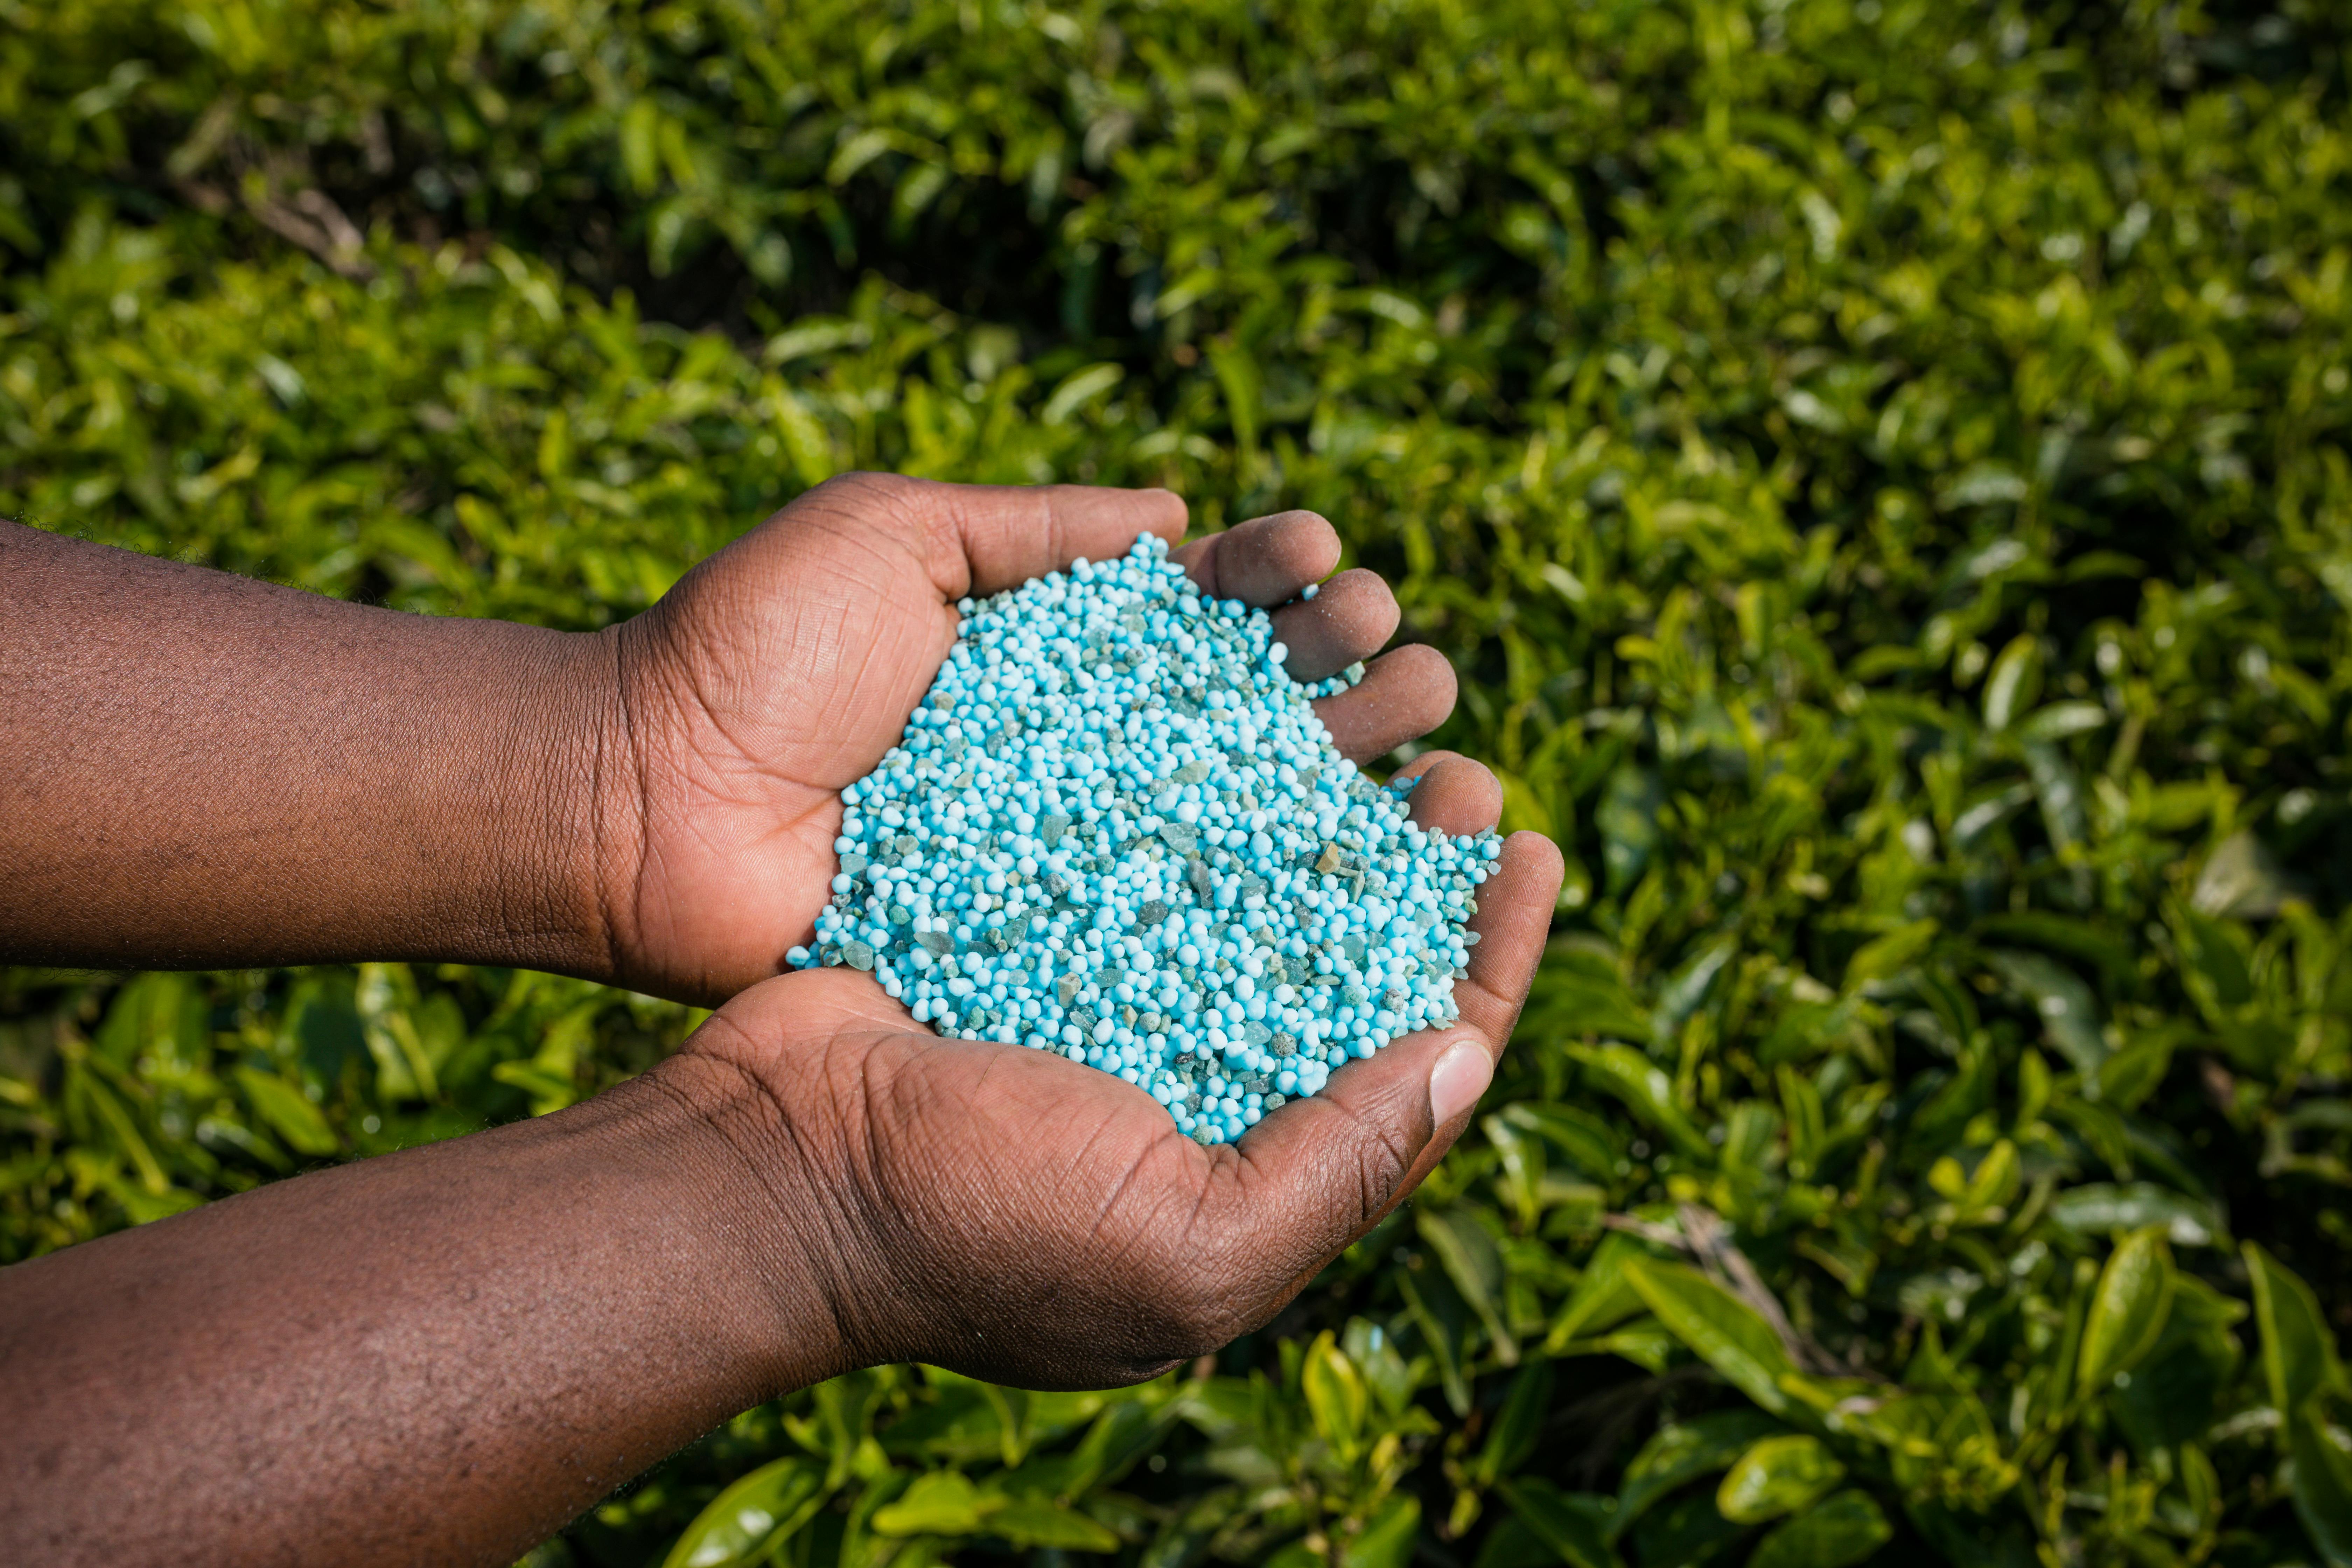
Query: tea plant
1880	469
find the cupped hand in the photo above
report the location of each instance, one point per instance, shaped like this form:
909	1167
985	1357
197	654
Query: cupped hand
782	667
1018	1217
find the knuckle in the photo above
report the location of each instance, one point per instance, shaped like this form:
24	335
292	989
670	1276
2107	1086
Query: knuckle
1383	1160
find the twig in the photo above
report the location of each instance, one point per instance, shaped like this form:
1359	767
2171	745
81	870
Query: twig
316	223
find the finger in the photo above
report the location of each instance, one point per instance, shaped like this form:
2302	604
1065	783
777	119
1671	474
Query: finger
1264	561
823	1001
1512	923
1352	616
980	539
1405	694
1454	795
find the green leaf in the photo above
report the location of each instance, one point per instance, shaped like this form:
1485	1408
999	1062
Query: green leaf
1718	1328
2127	1310
1573	1524
1374	1353
1679	995
1644	1341
1512	1439
2323	1482
751	1515
2058	787
1033	1523
2058	720
2104	1209
2015	681
2116	959
1523	808
289	1112
1335	1394
2068	1009
962	1425
1889	954
940	1502
2127	1078
158	1013
1443	1319
2244	881
640	128
1079	388
108	1120
1468	1253
1604	1296
1589	1142
1511	1543
1580	992
403	1061
1840	1530
1237	378
1681	1451
1686	1529
1778	1475
2298	1350
2213	969
1628	820
1649	1093
2176	1392
1388	1541
807	444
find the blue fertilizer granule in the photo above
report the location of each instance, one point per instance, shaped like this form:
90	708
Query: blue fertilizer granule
1115	829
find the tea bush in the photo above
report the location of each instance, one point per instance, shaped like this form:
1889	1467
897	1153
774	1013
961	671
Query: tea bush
1880	468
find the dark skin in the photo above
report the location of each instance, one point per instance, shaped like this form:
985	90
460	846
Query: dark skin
439	1356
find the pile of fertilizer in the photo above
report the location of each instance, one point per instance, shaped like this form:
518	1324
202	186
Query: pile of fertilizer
1115	829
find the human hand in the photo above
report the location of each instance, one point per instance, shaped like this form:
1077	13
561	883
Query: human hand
783	668
813	1183
1022	1217
468	1342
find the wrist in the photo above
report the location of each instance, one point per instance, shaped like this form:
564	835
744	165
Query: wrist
560	831
757	1196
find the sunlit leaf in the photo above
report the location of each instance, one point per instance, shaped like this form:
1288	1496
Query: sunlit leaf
1777	1476
743	1520
2298	1350
2128	1309
1720	1330
1683	1451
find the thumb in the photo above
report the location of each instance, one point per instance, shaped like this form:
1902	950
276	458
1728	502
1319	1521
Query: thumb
1319	1172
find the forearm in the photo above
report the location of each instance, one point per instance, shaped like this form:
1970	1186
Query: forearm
435	1356
197	769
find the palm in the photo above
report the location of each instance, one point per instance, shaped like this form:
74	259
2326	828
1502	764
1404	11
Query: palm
992	1189
1024	1218
783	668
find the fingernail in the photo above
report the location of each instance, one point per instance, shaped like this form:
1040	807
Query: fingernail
1458	1080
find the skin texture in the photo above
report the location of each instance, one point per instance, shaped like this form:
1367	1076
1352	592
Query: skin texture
197	771
439	1356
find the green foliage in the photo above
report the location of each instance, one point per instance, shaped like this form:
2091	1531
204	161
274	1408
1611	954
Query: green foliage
1880	468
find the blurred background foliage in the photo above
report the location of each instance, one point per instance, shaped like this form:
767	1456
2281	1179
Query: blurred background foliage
1880	466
